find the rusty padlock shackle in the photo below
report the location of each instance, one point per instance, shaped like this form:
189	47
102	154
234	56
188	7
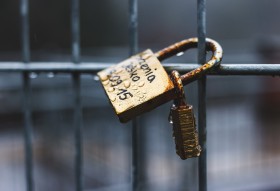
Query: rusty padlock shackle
179	88
211	45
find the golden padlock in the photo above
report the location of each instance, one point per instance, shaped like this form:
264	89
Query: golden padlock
140	83
183	121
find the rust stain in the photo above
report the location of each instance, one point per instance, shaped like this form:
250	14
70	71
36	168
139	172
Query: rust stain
163	90
186	44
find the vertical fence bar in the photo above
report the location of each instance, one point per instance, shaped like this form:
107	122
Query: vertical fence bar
133	49
24	14
201	30
78	115
133	27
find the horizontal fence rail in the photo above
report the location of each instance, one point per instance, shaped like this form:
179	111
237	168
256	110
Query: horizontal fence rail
94	67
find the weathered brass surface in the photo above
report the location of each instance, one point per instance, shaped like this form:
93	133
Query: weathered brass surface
184	131
136	85
140	83
182	118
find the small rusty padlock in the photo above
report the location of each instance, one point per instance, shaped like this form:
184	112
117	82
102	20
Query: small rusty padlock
140	83
183	121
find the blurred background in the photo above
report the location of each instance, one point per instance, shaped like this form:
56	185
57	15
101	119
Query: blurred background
242	112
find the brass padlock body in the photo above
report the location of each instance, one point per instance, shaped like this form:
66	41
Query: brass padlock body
136	85
184	131
140	83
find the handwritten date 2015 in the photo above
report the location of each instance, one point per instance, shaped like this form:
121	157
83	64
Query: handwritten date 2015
124	94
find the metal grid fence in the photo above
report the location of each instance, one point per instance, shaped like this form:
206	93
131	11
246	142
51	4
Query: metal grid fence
76	68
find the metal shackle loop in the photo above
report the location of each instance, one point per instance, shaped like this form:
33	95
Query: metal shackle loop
211	45
179	88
